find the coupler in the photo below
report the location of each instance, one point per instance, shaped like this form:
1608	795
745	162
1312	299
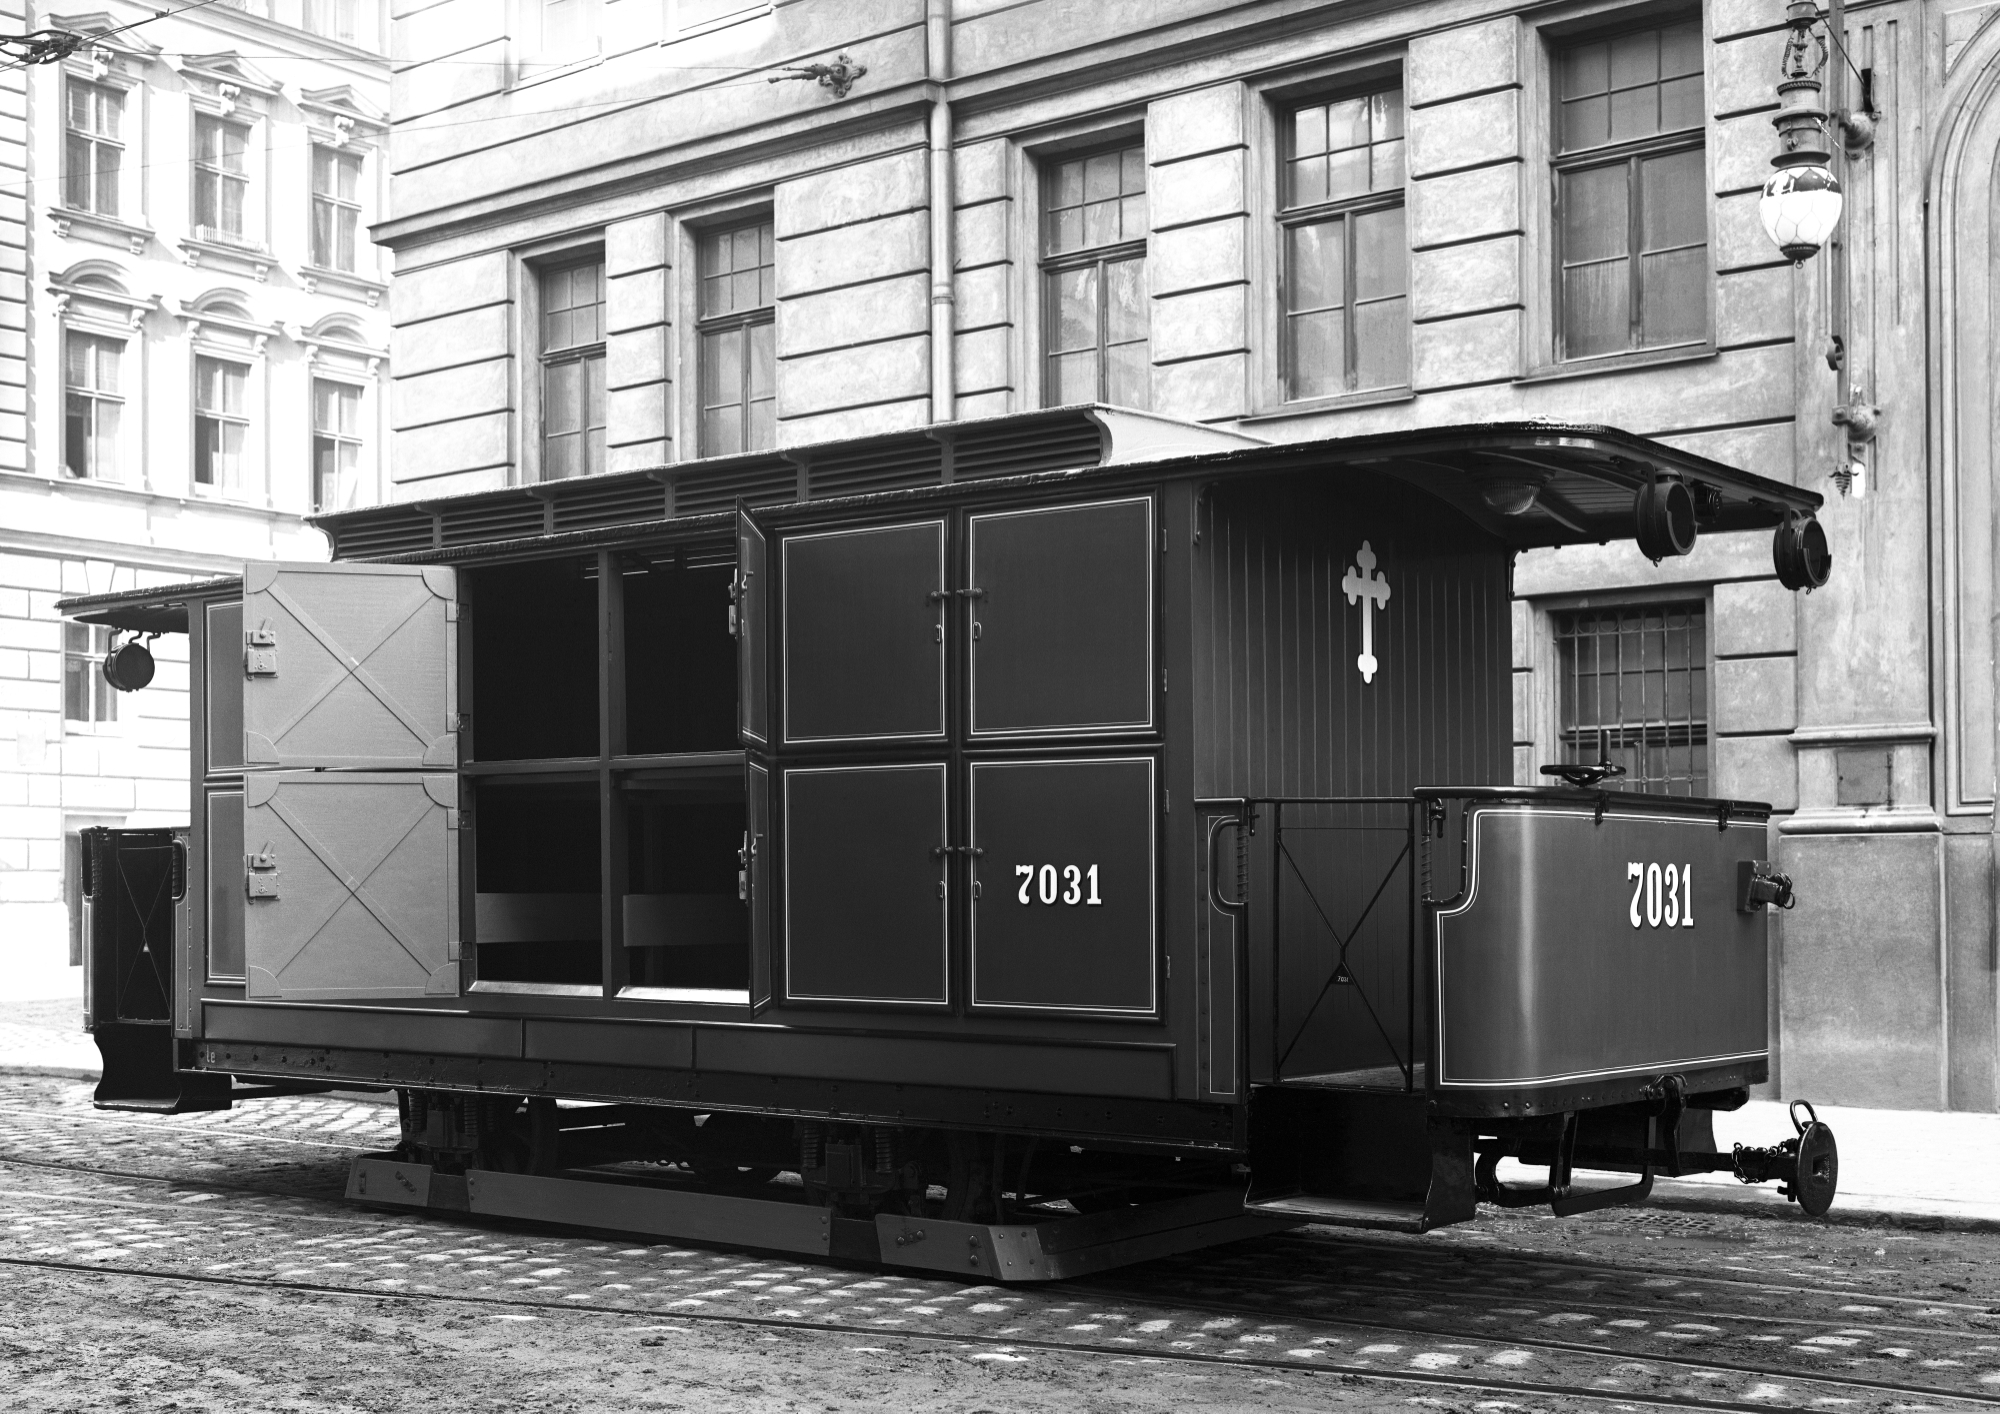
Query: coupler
1669	1135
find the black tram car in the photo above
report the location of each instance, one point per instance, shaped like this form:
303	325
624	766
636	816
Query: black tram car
1011	849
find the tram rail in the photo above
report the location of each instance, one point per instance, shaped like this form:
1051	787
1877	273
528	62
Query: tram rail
1242	1300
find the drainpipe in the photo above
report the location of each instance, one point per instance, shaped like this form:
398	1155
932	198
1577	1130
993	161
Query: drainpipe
937	34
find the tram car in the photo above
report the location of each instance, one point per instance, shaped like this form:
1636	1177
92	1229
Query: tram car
1011	849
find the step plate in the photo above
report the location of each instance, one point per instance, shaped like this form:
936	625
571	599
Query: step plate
1342	1212
1044	1250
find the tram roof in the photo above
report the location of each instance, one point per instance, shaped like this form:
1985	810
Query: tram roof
1584	479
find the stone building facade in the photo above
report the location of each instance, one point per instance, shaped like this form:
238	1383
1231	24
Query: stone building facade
629	235
193	357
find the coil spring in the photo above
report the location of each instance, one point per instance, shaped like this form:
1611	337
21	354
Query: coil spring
885	1151
812	1144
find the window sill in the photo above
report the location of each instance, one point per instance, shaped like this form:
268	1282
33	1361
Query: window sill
1619	363
1308	407
316	278
197	251
89	225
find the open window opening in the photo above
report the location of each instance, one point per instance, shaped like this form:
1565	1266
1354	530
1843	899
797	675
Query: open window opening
538	911
534	661
687	924
680	658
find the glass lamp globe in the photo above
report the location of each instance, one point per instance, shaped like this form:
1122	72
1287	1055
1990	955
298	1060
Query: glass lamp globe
1800	207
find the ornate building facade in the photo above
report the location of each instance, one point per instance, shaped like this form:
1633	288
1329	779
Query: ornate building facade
193	358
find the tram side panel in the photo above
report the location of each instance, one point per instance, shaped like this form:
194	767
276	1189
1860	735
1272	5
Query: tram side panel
1593	952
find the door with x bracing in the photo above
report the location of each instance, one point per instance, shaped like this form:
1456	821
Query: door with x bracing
350	864
351	666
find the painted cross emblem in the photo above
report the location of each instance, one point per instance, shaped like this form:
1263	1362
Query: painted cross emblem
1361	582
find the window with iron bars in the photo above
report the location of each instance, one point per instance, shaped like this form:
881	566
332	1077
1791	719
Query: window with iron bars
1639	675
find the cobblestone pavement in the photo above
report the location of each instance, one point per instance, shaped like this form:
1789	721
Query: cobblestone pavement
207	1261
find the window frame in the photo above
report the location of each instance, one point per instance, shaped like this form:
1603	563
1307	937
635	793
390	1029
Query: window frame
98	398
72	84
222	417
358	439
1546	722
310	10
101	694
1543	218
1050	267
201	169
336	204
1285	219
530	267
738	322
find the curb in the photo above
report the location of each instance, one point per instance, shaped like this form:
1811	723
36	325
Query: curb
59	1072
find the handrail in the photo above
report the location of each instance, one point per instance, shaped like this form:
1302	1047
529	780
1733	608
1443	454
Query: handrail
1215	829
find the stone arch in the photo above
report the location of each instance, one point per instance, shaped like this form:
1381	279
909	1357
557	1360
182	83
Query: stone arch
224	303
105	275
1963	187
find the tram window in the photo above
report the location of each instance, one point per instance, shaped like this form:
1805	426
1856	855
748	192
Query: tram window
1639	674
537	903
686	925
534	661
680	661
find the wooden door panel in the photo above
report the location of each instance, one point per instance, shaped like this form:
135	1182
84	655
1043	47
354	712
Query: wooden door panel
350	666
1064	914
352	884
1062	610
864	634
864	877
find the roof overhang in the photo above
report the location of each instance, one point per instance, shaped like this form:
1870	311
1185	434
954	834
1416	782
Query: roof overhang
1529	484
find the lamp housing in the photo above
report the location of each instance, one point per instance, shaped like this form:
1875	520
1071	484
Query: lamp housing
1663	514
129	666
1800	208
1800	553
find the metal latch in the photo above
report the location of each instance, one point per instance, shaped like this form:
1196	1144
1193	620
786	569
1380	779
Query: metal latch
260	878
260	654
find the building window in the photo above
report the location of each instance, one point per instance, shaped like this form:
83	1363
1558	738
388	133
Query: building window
334	19
1094	279
739	351
221	178
93	149
336	207
572	370
93	405
336	444
87	697
1631	192
1345	256
690	15
221	426
570	29
1640	676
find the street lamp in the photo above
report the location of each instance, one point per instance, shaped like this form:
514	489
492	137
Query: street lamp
1801	201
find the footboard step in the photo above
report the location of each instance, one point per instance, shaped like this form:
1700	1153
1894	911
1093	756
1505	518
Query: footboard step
1047	1248
1343	1212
